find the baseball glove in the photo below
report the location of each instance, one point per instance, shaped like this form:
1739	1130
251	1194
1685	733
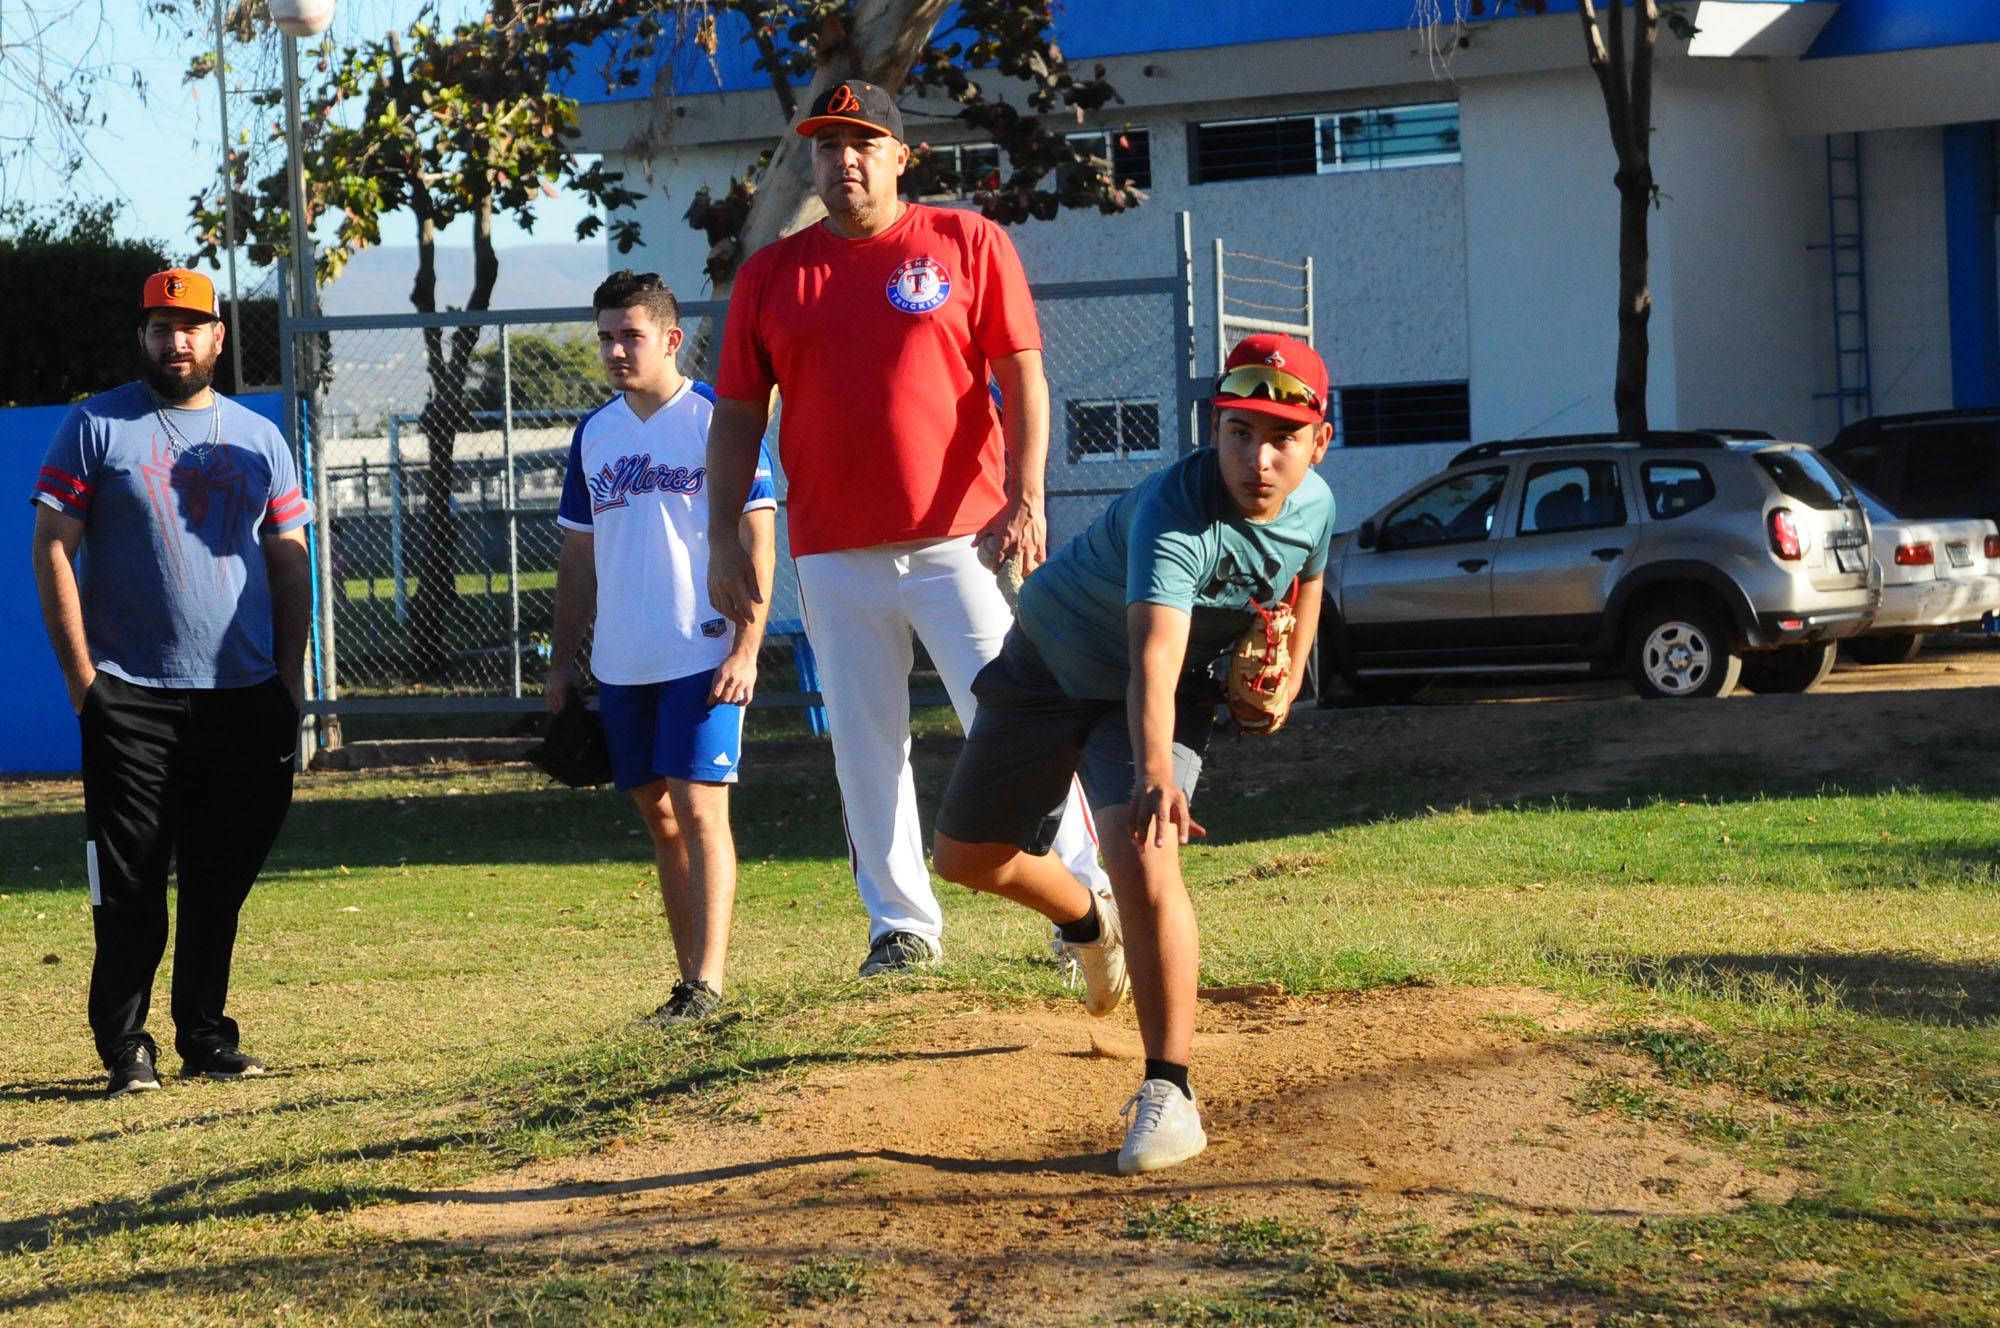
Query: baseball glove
1258	688
573	751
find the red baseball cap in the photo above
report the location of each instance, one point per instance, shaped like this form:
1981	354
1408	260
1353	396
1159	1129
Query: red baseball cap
180	288
1274	375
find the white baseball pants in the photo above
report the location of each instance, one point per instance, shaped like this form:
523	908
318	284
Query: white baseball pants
860	608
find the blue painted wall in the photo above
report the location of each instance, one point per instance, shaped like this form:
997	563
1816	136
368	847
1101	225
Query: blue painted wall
1972	264
1096	29
1869	27
37	731
1085	29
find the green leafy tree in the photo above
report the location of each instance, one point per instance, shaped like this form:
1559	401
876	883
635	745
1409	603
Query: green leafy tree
560	373
1623	63
68	269
437	124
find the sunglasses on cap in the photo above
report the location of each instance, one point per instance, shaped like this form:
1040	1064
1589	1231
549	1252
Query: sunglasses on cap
1270	383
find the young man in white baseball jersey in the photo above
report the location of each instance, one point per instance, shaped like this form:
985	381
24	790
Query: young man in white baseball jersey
882	327
673	674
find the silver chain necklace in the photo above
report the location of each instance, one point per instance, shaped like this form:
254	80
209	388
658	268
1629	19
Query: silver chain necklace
177	442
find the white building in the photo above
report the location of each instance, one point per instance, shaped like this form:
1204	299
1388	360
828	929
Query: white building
1462	221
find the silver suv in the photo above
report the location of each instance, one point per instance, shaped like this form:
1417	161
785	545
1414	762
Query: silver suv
1692	561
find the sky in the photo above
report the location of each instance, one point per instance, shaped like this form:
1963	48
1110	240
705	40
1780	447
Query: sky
152	154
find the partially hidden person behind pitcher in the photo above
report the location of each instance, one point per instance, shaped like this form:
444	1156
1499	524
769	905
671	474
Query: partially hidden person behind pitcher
181	635
1107	676
883	328
673	674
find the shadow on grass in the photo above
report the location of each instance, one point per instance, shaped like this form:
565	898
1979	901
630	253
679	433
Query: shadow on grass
1895	986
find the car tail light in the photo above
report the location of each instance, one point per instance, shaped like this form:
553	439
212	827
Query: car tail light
1993	546
1785	535
1920	554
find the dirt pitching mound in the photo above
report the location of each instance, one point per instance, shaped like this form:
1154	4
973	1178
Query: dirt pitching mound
979	1157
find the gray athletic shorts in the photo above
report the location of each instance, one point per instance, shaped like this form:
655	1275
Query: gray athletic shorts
1029	737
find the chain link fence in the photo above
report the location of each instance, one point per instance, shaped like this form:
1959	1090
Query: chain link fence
437	446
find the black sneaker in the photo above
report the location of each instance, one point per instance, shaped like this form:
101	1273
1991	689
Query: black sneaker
221	1063
690	1001
900	952
132	1072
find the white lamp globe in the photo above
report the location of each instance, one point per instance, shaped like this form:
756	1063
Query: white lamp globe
301	18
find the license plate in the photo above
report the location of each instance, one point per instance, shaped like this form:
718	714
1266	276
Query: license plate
1850	560
1961	553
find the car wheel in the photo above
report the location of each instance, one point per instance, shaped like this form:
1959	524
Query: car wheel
1788	669
1679	649
1884	649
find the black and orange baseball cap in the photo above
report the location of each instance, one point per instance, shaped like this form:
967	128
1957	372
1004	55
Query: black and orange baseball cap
1274	375
853	103
180	288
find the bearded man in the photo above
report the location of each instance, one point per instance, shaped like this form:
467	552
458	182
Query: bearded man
181	633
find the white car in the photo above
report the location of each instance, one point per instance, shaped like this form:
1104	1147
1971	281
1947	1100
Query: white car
1937	573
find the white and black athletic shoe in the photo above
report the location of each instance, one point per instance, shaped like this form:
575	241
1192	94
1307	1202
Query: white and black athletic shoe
1165	1129
1099	965
689	1002
132	1072
221	1063
900	952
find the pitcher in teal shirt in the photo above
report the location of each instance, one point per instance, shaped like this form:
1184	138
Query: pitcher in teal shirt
1105	679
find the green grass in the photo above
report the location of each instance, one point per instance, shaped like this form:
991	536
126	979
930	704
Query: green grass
445	966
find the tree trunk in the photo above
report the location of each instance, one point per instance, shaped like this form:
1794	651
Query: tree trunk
443	416
885	40
1627	85
1635	301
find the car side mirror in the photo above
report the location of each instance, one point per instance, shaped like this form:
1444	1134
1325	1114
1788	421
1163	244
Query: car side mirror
1367	536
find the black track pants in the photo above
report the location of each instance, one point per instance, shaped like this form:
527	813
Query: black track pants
199	775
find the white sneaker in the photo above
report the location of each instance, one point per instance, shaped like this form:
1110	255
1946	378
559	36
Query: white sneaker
1101	963
1164	1129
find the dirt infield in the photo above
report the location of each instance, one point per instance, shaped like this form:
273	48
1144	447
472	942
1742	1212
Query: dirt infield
975	1156
968	1161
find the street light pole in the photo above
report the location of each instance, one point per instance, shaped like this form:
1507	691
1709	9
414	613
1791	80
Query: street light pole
297	19
303	303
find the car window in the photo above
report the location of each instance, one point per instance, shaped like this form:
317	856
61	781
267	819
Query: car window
1675	488
1866	464
1803	477
1946	472
1572	495
1452	510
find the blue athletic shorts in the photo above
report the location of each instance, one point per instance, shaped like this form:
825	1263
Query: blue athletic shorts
668	730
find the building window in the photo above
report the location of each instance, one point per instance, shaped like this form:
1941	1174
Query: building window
980	165
1363	139
1379	415
1130	152
976	166
1113	430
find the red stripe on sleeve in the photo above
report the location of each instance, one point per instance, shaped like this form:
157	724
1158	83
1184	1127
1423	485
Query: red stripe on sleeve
76	487
67	497
284	499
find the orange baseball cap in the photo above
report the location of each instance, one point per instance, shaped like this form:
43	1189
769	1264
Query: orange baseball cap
181	288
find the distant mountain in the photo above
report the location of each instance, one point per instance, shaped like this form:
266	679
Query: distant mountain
533	276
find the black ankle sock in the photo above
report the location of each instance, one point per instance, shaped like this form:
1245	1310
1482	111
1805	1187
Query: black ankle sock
1085	929
1173	1073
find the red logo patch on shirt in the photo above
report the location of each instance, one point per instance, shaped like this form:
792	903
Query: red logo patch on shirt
919	286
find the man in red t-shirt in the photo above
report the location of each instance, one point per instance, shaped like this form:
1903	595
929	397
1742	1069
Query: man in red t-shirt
883	327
